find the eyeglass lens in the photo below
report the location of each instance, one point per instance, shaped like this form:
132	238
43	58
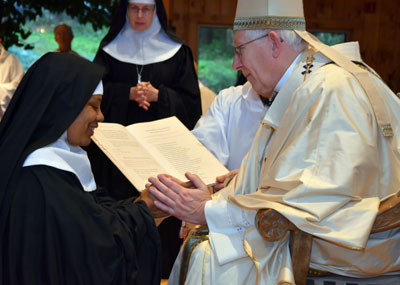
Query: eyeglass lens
145	10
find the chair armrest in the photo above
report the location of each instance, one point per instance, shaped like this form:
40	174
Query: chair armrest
271	225
389	215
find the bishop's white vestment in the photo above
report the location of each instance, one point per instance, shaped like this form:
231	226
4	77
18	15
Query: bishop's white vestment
320	159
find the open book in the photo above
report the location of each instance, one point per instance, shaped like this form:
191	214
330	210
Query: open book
147	149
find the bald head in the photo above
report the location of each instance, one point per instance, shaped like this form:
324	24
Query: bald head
63	36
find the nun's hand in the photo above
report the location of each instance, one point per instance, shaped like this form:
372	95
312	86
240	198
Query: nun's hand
148	198
150	92
137	95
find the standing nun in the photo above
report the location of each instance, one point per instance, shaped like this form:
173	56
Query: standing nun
149	76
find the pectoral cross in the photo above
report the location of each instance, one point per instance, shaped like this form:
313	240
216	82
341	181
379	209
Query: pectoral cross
139	78
308	67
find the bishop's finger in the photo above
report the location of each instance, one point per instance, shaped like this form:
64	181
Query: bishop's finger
161	197
171	184
164	189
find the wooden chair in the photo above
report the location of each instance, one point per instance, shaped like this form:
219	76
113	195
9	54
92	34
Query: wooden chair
273	227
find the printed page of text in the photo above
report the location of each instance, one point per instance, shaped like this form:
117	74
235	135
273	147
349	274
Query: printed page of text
172	143
125	151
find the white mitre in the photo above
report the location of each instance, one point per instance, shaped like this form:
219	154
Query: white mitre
269	14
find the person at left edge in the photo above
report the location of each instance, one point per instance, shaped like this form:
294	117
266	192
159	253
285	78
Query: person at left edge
11	73
55	227
149	76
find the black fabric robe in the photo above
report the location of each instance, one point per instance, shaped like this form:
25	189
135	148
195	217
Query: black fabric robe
51	231
59	234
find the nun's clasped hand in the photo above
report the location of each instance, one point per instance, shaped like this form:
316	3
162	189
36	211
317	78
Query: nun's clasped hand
144	93
148	91
187	204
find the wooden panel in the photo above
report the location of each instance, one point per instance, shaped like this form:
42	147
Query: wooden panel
373	23
212	8
387	43
167	4
197	7
227	9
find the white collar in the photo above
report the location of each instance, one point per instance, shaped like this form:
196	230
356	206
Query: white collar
287	73
63	156
281	102
150	46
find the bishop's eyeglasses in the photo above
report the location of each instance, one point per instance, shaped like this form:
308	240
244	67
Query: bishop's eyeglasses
238	49
145	10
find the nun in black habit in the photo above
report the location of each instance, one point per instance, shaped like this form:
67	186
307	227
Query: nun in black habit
149	75
56	228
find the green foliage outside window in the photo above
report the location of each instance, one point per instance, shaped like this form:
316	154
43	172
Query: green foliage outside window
216	57
331	38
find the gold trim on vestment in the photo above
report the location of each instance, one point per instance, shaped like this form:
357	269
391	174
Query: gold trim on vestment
196	236
387	130
247	249
355	248
317	273
270	22
285	281
203	273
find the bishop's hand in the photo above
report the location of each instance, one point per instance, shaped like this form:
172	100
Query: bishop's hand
185	203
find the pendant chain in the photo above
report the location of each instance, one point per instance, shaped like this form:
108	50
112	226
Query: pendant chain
139	73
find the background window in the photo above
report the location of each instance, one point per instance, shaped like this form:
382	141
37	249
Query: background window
331	37
215	57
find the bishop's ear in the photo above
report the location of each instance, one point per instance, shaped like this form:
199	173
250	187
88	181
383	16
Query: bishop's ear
276	44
